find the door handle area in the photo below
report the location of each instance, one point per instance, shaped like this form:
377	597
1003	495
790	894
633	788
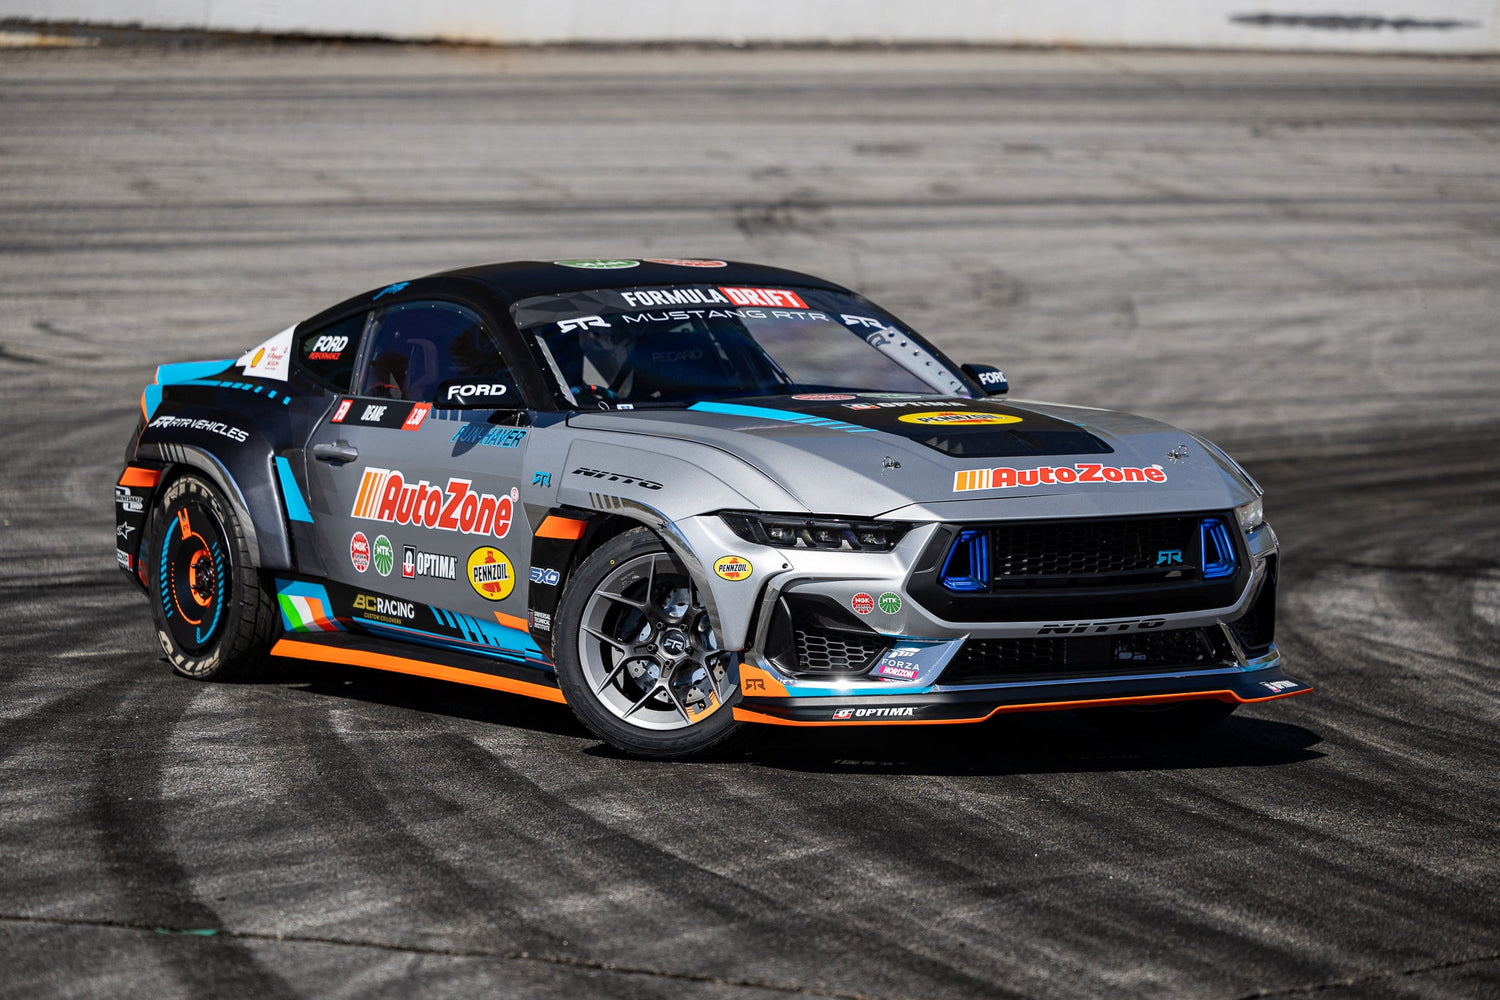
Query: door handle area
339	451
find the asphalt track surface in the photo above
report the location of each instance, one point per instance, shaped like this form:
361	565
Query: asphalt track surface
1298	256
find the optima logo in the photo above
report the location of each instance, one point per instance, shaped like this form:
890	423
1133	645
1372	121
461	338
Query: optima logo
384	495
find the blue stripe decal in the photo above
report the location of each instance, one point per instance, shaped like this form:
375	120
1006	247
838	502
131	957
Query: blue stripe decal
785	416
151	399
296	507
189	371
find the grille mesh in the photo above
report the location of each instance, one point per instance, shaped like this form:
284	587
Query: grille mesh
831	651
984	661
1059	550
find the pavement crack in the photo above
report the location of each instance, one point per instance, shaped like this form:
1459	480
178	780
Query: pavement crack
1375	977
566	961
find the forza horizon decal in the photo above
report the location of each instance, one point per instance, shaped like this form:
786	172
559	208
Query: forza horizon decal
385	495
1048	475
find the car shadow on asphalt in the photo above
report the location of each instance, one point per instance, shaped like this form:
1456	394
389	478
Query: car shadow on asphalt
1036	743
1031	743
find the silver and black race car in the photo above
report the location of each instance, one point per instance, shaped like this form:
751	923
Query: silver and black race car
685	495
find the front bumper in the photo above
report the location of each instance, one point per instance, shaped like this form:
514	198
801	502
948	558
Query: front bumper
918	670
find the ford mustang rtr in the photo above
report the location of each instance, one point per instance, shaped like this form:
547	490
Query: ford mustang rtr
681	496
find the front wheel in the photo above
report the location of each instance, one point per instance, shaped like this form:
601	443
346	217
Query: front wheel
637	658
213	617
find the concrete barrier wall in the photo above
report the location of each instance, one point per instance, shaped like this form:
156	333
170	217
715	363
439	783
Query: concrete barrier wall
1435	26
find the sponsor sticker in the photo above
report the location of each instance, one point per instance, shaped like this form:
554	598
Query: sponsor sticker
686	262
414	419
822	397
341	411
359	552
391	289
415	563
959	417
123	558
904	712
490	573
490	437
541	621
645	298
384	609
476	392
1278	685
897	671
545	576
391	414
616	477
128	501
598	264
328	347
383	555
890	602
734	568
271	359
236	434
385	495
1047	475
776	298
862	603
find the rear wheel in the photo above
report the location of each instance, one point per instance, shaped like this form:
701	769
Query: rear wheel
213	617
637	657
1174	721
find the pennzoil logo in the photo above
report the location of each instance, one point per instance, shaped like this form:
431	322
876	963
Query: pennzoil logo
491	574
385	495
958	417
733	568
1047	475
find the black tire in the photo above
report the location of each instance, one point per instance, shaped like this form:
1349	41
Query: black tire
214	618
647	643
1175	721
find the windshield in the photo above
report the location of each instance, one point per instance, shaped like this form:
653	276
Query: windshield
630	346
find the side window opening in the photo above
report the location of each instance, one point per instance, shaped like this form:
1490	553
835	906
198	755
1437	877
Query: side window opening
327	353
416	346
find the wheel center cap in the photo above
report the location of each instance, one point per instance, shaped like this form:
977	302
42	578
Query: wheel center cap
674	642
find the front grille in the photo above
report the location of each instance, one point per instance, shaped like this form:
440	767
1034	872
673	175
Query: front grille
831	651
991	661
1030	555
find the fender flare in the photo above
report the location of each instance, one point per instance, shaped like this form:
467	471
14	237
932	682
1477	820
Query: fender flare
260	514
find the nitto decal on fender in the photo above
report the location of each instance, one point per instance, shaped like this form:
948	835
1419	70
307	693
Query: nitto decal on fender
1048	475
384	495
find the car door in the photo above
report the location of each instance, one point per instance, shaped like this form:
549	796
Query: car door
418	501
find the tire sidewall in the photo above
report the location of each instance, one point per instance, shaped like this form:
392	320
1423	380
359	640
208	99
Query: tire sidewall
688	741
195	493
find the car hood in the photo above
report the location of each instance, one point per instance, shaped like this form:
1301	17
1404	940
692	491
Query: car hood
869	455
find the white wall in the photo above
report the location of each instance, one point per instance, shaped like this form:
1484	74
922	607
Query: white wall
1453	26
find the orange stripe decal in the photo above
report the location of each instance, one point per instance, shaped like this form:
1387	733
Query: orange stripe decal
134	475
566	528
512	621
749	715
417	668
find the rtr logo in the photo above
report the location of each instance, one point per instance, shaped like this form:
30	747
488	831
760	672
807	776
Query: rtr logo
580	323
1169	557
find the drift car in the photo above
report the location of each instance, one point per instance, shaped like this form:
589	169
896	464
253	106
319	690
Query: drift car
684	495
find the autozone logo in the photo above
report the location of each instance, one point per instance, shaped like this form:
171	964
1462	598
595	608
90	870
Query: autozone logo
1047	475
874	713
385	495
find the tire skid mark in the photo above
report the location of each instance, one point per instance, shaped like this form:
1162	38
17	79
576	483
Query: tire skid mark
621	871
127	807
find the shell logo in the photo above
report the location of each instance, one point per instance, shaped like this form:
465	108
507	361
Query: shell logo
732	568
491	574
958	417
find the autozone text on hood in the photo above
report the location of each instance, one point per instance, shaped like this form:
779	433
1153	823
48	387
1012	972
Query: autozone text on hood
1047	475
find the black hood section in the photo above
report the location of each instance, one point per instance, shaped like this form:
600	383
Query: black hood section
962	428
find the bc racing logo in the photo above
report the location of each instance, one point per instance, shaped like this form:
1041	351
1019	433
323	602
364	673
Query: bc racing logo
384	495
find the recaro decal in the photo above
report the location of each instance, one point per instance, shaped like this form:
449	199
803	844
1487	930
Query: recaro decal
385	495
